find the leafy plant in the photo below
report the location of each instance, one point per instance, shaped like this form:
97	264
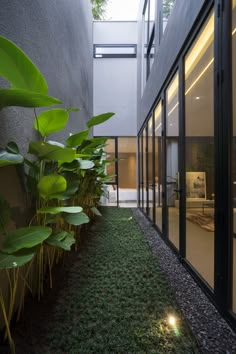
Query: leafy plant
99	9
64	180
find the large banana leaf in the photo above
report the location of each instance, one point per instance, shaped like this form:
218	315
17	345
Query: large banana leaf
101	118
77	139
76	219
64	243
17	259
56	210
51	152
25	237
52	121
50	186
18	69
7	158
25	98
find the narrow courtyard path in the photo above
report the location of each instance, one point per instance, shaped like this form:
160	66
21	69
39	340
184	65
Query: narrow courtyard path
116	299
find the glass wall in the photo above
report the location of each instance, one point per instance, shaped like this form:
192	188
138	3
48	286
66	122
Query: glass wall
140	161
110	150
172	159
127	171
144	170
200	190
234	152
150	168
158	164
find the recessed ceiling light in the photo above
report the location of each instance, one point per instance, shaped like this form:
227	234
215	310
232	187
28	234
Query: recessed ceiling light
197	98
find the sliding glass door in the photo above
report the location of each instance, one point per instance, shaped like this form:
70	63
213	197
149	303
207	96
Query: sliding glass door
199	158
172	159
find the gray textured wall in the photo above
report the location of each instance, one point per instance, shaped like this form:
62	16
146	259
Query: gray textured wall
179	25
57	36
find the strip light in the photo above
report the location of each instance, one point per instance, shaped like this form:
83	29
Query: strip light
199	76
176	105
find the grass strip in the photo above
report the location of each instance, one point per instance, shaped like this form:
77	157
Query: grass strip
117	299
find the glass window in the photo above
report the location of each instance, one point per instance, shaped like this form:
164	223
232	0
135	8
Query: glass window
150	168
158	165
145	40
127	171
172	159
200	189
144	170
234	152
115	51
111	167
140	172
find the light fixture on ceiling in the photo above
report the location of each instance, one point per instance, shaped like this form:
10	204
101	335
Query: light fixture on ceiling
197	98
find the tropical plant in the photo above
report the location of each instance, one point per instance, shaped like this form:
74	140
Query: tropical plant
59	178
99	9
167	6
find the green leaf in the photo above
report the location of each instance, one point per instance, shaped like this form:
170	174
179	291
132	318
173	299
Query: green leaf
65	243
7	158
12	147
18	259
18	69
73	109
99	119
76	219
59	236
56	210
77	139
51	121
72	166
51	152
25	237
95	211
50	186
92	144
24	98
85	164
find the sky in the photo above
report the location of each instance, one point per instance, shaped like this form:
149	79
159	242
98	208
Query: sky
122	10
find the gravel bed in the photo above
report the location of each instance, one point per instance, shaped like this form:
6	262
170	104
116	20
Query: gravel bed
212	332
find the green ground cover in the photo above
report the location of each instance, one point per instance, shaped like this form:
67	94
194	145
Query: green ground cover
117	299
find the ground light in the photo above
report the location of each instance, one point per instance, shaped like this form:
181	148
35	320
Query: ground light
172	321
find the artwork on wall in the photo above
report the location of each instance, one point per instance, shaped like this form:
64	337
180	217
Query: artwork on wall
196	185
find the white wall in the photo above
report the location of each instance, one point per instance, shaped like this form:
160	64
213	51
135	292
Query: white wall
115	80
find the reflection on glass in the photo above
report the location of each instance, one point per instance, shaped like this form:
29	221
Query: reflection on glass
144	169
167	6
150	169
140	172
152	15
200	190
145	42
172	168
158	164
110	150
127	171
234	152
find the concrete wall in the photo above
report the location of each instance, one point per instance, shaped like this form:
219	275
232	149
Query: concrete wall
57	36
178	27
115	80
